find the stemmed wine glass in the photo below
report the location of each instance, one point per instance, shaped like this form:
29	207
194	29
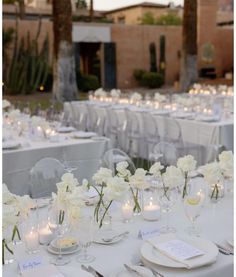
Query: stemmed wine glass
58	223
168	197
85	236
193	203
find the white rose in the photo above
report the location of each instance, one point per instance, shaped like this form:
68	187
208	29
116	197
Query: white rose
158	97
115	93
7	196
122	170
102	175
100	92
155	169
14	114
116	189
211	172
136	96
173	177
226	163
186	163
138	180
68	182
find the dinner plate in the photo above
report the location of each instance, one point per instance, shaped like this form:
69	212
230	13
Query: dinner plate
183	114
10	145
150	254
84	135
205	118
106	235
55	247
64	129
67	252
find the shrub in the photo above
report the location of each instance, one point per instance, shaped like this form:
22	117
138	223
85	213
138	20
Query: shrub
90	82
152	80
138	74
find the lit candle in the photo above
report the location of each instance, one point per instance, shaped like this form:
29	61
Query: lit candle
202	195
127	211
151	211
32	241
45	235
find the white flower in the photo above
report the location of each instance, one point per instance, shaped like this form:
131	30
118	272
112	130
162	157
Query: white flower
186	163
102	175
211	172
138	180
155	169
116	189
7	196
226	163
136	96
100	93
158	97
9	218
115	93
14	114
122	170
38	121
68	183
5	104
173	177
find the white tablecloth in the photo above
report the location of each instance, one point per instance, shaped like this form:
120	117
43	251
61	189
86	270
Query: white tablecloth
215	224
17	163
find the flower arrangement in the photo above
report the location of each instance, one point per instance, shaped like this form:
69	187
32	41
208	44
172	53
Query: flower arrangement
5	104
214	172
115	93
14	208
158	97
186	164
136	96
100	93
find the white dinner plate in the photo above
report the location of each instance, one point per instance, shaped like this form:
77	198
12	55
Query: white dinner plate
64	129
183	114
10	145
206	118
106	235
150	254
67	252
84	135
54	246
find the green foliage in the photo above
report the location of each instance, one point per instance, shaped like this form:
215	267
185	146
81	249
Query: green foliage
86	82
152	80
153	58
81	4
148	19
29	67
138	74
7	37
168	19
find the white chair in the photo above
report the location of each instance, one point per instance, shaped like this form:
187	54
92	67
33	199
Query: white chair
113	156
165	153
44	176
80	114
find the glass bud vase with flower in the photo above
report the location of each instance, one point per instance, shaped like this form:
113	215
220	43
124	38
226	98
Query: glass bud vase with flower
186	164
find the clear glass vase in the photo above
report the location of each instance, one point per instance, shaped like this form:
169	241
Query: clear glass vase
137	200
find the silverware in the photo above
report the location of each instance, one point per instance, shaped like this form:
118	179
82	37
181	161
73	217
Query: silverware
131	269
156	273
224	250
116	236
92	271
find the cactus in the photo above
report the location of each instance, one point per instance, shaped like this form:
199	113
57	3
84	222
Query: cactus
29	67
153	58
162	55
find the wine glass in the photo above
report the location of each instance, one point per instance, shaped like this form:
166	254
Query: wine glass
193	203
58	223
70	166
168	197
85	237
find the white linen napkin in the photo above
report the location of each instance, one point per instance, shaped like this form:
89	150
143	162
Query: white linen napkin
187	263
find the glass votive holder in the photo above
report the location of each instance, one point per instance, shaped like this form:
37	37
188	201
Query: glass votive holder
151	209
31	238
45	233
127	210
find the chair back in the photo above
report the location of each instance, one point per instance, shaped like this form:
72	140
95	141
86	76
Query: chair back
165	153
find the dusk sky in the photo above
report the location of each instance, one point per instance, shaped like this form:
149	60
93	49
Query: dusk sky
112	4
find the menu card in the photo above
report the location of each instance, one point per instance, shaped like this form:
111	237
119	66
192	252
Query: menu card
179	249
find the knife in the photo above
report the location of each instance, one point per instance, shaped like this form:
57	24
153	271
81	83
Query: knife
131	269
92	271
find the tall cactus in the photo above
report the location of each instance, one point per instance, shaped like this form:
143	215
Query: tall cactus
29	67
153	58
162	55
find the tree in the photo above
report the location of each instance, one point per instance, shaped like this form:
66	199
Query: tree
64	75
81	4
189	73
148	19
169	19
91	10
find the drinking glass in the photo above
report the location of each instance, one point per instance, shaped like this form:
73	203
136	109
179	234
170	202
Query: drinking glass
85	237
70	166
168	197
58	223
193	203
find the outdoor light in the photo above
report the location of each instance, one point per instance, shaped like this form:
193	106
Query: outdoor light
41	88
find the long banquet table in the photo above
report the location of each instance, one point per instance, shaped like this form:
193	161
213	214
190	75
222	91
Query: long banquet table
215	224
193	132
17	163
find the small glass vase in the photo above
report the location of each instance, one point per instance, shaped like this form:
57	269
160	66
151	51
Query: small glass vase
216	192
7	252
137	200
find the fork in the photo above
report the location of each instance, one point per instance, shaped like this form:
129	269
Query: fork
116	236
154	272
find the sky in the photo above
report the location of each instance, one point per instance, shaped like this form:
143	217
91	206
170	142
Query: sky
113	4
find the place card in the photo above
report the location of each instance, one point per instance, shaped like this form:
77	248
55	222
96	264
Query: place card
31	263
179	249
146	233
